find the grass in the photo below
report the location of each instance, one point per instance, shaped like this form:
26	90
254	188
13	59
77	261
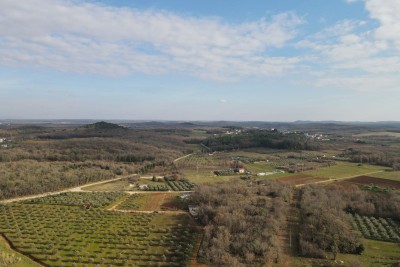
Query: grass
344	170
387	175
203	176
392	134
262	166
376	254
11	258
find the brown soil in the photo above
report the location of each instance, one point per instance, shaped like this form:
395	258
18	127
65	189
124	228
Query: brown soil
366	180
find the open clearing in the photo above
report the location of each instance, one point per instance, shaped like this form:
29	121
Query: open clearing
392	175
345	169
10	257
392	134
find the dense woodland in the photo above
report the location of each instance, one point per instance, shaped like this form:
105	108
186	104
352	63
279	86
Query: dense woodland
259	138
326	213
242	222
42	159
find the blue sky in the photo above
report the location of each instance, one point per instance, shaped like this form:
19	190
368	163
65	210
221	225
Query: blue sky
200	60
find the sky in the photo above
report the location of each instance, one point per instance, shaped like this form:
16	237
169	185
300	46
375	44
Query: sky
188	60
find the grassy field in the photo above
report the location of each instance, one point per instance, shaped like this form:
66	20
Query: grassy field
388	175
260	166
376	254
203	176
345	169
11	258
392	134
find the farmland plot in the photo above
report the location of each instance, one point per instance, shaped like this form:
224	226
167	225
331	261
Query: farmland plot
68	235
151	202
384	229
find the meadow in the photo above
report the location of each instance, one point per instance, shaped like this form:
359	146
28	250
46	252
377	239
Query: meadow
346	170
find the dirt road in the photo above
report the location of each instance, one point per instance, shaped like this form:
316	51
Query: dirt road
72	189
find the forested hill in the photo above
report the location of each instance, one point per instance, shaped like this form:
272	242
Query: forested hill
258	138
103	125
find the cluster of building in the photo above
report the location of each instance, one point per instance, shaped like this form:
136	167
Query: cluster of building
3	142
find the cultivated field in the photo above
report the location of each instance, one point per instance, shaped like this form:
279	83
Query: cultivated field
150	202
62	233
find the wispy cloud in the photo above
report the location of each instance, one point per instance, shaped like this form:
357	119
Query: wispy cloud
359	55
93	38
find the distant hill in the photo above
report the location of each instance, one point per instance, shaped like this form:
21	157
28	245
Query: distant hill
102	125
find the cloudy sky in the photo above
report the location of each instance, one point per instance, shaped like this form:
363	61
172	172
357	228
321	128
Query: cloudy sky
200	60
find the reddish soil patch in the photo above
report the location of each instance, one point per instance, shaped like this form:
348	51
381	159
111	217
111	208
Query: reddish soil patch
366	180
301	179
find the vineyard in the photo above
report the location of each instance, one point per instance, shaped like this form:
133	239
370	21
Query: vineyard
65	234
384	229
172	185
95	199
152	202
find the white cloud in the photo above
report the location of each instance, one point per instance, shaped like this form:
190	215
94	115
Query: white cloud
387	12
92	38
361	83
359	55
223	100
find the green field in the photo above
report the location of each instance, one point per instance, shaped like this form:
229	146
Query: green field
388	175
376	254
392	134
261	166
344	170
202	176
66	234
11	258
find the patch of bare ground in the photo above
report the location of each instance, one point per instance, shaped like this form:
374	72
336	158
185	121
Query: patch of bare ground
194	260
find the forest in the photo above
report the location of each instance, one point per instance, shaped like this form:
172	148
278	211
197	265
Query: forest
242	222
41	159
259	138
